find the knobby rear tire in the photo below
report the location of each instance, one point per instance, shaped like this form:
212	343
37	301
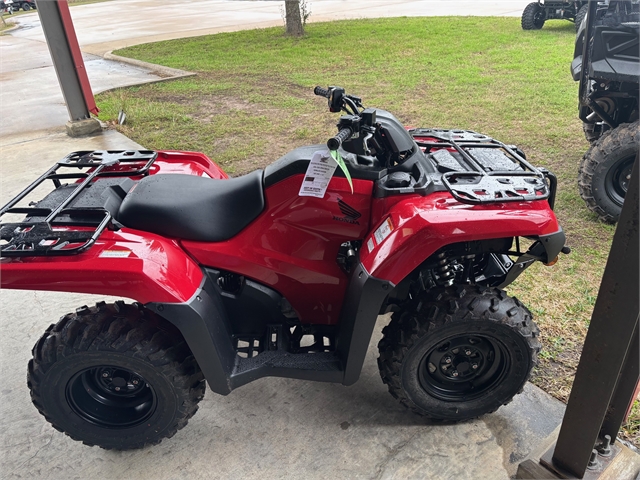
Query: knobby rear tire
610	158
116	376
582	13
532	17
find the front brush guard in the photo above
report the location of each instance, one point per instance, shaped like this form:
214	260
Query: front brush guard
544	250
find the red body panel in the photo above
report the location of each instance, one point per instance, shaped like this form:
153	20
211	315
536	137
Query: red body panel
156	270
292	246
188	163
422	225
146	268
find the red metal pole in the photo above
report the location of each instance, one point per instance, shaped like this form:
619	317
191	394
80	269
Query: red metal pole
76	54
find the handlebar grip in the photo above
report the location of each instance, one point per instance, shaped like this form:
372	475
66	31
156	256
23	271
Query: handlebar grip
335	142
322	92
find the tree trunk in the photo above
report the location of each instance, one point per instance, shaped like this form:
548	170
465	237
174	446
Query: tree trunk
293	18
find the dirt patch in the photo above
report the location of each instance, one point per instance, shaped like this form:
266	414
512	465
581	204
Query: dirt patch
216	107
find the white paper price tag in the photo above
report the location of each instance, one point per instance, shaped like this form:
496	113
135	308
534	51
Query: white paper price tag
318	176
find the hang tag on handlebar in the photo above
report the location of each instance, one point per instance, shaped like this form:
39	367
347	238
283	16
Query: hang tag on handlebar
319	174
335	154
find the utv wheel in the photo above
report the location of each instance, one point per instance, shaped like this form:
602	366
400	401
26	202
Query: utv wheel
112	376
458	353
592	131
533	17
605	171
26	7
582	13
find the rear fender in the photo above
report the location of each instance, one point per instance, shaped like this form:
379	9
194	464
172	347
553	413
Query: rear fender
151	270
417	227
187	163
126	263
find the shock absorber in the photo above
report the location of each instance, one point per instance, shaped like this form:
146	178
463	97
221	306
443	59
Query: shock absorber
230	282
445	273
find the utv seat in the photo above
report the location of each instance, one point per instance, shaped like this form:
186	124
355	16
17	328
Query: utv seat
190	207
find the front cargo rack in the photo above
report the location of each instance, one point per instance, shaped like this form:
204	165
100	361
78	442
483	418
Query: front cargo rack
71	217
478	169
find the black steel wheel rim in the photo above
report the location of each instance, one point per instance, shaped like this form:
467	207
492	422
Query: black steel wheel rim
111	397
617	179
464	367
539	18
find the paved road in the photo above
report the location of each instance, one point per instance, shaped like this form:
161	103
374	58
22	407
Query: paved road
273	428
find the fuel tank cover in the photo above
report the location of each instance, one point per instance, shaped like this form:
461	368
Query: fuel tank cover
398	180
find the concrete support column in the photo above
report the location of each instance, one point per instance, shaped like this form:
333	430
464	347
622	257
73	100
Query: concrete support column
69	65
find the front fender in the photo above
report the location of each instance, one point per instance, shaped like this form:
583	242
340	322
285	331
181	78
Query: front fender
417	227
126	263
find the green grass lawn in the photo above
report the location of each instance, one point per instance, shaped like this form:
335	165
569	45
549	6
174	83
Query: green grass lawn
252	101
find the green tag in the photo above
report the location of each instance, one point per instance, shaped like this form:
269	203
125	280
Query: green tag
340	161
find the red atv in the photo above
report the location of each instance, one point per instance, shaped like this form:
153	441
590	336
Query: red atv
282	272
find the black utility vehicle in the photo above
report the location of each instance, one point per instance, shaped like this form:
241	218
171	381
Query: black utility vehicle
16	5
608	69
536	13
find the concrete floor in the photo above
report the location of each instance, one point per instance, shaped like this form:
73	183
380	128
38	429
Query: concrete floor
30	96
273	428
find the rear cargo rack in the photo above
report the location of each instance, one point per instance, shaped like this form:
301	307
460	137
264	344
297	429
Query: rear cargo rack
54	225
480	170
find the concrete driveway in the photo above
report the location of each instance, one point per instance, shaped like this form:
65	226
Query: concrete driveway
30	98
273	428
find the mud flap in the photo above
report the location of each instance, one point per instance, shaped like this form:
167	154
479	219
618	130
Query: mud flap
363	300
204	325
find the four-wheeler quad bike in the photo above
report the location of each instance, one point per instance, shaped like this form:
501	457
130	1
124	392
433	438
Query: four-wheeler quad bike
282	272
608	69
536	13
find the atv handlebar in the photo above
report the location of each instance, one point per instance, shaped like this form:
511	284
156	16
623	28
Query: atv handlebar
343	135
322	92
340	101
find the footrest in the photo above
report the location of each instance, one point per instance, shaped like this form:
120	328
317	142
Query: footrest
277	359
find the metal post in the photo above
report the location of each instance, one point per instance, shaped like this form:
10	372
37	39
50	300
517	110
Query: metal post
69	65
624	394
608	356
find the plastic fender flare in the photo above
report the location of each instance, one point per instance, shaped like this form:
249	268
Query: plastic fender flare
553	244
416	228
202	321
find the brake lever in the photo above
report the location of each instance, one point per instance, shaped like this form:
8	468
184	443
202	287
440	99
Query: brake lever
365	145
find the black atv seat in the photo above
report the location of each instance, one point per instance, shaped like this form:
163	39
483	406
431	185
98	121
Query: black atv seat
193	208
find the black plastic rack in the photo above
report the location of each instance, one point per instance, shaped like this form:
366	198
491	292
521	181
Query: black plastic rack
482	170
62	224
